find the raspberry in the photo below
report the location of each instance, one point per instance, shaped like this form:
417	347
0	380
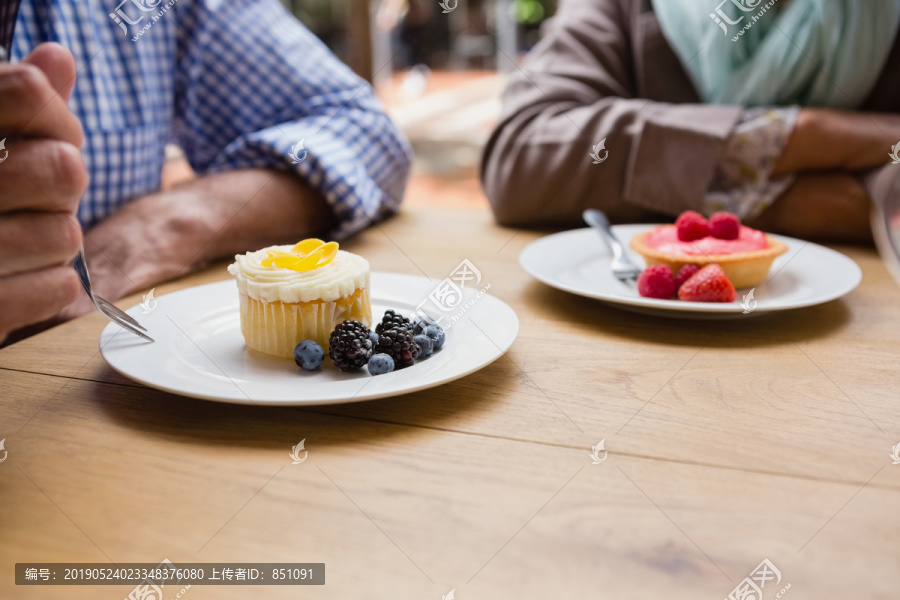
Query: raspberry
709	284
657	281
684	273
725	226
691	226
349	346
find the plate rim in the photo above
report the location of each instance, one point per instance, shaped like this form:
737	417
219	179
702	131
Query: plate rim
671	306
111	330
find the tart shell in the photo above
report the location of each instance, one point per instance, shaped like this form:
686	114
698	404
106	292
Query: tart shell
744	269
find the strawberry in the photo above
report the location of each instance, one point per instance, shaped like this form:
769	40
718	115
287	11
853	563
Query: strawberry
684	273
657	281
725	226
691	226
709	284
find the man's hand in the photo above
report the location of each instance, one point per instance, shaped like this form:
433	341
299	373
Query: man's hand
43	179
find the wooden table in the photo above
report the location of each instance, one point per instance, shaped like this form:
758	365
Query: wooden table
728	443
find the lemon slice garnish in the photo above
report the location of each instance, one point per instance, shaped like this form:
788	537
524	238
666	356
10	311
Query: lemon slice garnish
306	255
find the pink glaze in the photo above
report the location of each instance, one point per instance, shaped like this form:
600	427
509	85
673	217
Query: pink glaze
665	239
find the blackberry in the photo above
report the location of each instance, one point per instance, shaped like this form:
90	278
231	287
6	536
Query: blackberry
350	346
398	343
392	319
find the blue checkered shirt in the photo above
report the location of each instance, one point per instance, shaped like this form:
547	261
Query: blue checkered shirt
235	83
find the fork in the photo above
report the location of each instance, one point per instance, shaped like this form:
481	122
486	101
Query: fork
622	268
106	308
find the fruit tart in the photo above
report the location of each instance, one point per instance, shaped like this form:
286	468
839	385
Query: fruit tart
745	254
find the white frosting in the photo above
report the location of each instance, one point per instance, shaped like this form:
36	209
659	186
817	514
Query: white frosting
338	279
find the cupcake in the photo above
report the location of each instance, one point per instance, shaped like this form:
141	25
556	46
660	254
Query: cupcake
745	254
290	294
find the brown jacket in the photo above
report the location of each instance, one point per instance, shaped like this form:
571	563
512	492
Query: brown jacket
604	70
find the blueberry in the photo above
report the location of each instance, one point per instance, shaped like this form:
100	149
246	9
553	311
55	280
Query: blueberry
426	344
374	337
437	335
309	355
421	324
380	364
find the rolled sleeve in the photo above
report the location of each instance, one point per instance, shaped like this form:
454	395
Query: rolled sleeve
253	83
675	154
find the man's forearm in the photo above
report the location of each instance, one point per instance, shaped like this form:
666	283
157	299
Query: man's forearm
170	234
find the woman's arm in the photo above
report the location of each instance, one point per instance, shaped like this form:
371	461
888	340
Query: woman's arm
825	139
827	206
576	88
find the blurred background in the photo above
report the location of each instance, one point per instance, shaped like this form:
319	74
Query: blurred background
438	66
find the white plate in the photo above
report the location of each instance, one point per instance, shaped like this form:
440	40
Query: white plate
200	352
578	262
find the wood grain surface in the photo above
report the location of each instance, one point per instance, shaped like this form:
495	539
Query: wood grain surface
728	442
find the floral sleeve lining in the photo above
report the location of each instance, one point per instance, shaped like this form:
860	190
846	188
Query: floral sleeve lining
743	183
